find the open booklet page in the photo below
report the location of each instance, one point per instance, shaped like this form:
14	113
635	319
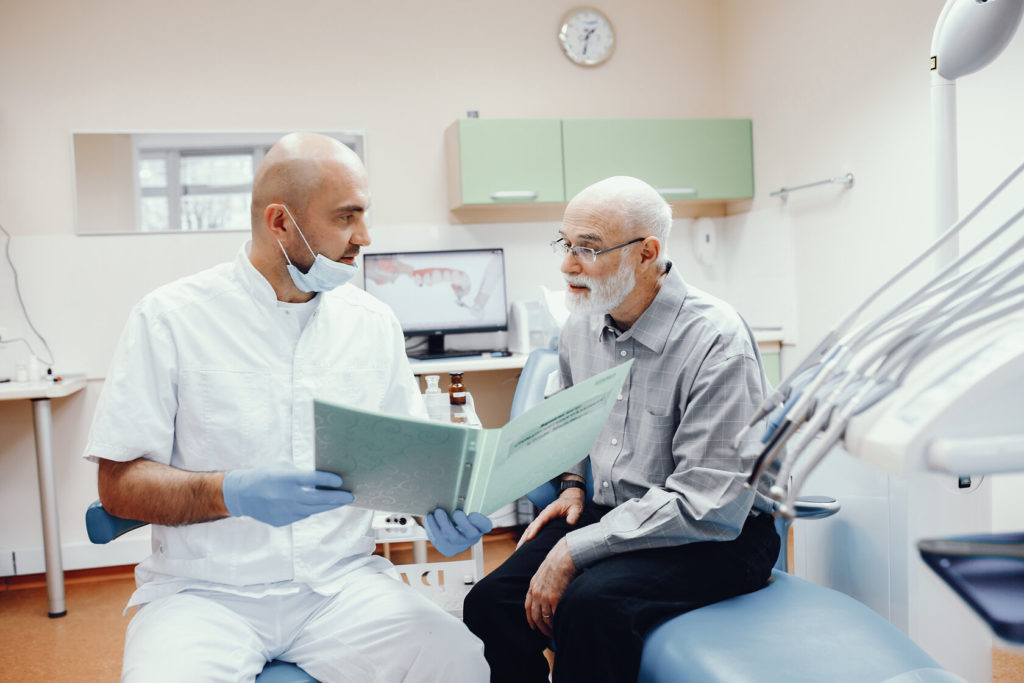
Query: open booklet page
409	465
547	440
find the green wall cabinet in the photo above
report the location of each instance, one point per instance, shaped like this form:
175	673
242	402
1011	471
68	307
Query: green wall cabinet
526	169
772	367
497	161
701	159
771	357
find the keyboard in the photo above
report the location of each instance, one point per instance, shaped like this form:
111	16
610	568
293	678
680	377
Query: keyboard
460	353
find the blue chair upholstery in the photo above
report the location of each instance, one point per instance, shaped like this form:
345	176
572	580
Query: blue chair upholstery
529	392
104	527
533	380
792	630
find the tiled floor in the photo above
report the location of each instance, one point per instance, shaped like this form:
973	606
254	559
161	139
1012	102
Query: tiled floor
85	646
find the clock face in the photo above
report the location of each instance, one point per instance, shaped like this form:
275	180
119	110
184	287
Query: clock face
586	37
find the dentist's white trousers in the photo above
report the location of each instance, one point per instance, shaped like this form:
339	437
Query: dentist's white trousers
377	629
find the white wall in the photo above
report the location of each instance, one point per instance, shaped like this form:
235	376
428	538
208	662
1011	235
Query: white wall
402	72
832	86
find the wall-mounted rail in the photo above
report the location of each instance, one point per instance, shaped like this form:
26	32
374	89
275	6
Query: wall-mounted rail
846	180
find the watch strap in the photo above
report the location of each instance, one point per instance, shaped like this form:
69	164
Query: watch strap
571	484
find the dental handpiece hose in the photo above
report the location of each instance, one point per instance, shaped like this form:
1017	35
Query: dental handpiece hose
930	313
838	424
846	322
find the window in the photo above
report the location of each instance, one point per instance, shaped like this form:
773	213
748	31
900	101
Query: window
203	182
196	189
171	182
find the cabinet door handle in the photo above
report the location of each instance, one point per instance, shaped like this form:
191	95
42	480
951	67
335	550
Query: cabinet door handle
502	195
666	191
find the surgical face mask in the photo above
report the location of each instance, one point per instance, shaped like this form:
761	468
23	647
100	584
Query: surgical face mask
324	275
604	295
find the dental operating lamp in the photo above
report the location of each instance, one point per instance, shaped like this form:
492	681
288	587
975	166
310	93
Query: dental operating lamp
969	35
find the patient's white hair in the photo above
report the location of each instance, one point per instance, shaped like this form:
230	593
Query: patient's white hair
643	212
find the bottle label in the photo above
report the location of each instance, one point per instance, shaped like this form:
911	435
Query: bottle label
458	394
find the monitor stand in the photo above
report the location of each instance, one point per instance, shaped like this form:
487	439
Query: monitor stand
435	349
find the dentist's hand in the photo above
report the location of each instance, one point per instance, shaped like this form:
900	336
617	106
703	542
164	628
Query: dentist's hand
452	539
281	494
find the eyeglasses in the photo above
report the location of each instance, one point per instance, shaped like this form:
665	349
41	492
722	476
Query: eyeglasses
586	254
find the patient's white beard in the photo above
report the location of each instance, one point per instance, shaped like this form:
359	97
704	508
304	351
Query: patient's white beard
604	295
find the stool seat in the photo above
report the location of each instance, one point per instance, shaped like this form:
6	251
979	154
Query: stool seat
792	630
104	527
283	672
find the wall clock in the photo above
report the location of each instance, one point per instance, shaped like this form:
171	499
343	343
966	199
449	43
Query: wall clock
586	37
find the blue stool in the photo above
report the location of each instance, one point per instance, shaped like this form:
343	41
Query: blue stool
104	527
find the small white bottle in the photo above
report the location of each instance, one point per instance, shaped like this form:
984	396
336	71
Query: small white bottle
437	402
36	371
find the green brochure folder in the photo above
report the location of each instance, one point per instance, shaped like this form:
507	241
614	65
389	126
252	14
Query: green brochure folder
401	464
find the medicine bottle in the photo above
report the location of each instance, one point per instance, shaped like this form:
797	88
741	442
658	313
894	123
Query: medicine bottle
457	390
437	403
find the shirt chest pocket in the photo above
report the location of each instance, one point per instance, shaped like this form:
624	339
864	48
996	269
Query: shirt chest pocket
224	418
655	432
360	388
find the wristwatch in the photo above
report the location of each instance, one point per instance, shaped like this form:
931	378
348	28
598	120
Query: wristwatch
571	484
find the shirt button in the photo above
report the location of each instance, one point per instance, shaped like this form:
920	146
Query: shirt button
622	353
604	484
615	441
620	397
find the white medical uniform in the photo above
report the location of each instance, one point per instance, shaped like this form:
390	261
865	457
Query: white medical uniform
212	374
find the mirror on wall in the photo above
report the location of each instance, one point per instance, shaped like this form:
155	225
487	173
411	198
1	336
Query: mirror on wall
170	182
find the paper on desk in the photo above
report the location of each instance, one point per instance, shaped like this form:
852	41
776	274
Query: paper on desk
414	466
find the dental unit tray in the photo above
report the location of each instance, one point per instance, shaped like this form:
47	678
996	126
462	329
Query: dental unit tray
987	571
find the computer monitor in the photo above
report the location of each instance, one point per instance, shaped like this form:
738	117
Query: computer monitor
436	293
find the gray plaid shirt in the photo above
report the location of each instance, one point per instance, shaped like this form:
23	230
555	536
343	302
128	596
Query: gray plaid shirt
664	459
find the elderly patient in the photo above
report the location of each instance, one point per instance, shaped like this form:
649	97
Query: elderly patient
205	429
670	527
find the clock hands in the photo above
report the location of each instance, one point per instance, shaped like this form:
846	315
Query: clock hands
586	38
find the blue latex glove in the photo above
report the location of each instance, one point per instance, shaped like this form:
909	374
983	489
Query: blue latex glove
281	494
452	539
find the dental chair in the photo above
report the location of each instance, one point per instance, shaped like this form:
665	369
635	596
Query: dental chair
791	630
104	527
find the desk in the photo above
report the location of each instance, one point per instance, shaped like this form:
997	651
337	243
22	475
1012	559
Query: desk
440	366
40	394
491	380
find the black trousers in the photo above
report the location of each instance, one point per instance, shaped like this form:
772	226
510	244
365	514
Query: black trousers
608	609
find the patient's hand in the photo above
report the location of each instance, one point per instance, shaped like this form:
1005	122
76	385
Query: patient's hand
547	586
568	505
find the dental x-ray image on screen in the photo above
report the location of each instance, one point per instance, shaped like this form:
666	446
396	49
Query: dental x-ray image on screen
441	292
